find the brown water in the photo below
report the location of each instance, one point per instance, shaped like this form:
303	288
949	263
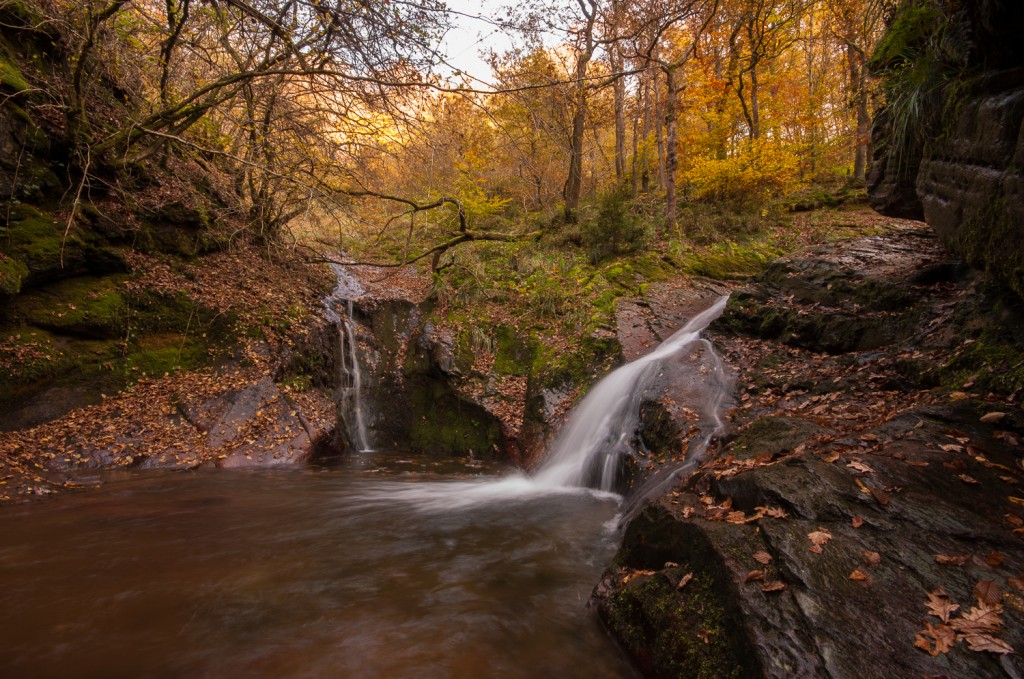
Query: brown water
303	573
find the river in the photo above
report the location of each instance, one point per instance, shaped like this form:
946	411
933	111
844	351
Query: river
379	568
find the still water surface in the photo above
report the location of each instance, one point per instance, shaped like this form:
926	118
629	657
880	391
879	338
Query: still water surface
350	572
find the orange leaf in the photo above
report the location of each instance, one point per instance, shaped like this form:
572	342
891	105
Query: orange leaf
935	639
763	558
986	642
988	592
820	536
871	558
939	605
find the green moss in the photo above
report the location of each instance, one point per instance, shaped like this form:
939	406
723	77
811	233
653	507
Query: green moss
34	237
10	76
298	383
443	423
12	273
772	436
92	307
694	632
985	366
728	260
680	635
912	26
514	354
155	355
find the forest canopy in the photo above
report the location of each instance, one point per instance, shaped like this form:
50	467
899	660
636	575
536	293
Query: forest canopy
341	118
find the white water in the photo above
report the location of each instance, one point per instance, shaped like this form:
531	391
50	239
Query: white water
350	373
588	449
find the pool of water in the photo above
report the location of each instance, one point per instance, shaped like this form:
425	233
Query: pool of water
355	571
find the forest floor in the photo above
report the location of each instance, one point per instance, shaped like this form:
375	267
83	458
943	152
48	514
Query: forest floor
225	411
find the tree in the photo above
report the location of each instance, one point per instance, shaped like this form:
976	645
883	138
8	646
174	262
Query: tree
667	34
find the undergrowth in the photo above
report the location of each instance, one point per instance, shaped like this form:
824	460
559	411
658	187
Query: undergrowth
558	291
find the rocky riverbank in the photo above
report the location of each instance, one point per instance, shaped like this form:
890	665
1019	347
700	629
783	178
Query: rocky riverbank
862	517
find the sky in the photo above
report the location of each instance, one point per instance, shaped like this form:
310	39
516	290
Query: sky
469	36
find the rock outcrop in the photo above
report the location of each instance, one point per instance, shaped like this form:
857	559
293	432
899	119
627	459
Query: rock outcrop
865	474
957	163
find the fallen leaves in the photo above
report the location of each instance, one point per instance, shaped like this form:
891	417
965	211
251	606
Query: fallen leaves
952	559
940	605
819	539
935	639
763	558
979	627
859	575
991	418
755	576
773	586
988	592
858	466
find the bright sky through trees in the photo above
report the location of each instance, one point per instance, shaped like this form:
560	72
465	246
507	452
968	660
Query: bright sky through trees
471	35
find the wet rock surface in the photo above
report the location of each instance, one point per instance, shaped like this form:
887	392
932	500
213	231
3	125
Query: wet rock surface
861	476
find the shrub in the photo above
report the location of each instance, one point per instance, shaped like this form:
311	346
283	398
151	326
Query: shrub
615	230
750	179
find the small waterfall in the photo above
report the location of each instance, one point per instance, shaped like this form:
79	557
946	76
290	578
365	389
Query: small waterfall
588	449
350	373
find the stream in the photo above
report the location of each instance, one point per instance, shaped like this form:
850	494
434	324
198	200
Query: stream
380	568
383	566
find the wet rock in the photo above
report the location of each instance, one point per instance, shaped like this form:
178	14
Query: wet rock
858	298
825	623
256	426
848	488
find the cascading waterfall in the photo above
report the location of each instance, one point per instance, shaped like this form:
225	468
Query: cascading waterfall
588	449
587	452
350	375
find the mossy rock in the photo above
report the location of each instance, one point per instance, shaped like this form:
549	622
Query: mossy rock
12	273
11	78
773	435
694	632
442	423
155	355
514	354
84	307
34	237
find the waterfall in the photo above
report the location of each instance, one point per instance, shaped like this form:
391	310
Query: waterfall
590	446
350	373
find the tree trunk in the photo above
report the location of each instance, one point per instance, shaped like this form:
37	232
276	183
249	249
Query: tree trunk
645	135
619	103
574	180
755	106
671	154
659	132
859	95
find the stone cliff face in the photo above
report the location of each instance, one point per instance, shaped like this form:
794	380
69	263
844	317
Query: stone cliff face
972	188
958	164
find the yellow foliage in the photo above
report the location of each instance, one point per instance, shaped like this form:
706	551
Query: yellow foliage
761	171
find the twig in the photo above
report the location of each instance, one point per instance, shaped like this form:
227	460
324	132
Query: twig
74	205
